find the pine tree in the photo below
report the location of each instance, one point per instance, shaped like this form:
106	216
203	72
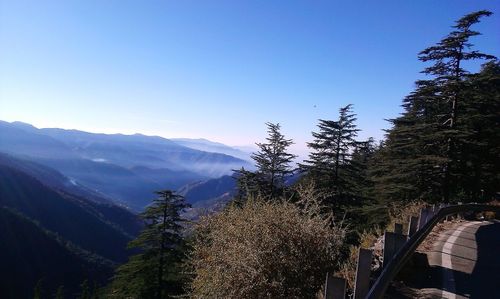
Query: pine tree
273	161
448	57
422	154
273	167
155	272
329	163
409	164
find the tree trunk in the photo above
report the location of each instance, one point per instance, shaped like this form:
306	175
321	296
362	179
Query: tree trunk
453	119
161	261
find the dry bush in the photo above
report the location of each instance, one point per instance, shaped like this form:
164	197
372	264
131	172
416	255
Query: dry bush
367	239
494	203
348	268
310	200
264	250
401	212
489	215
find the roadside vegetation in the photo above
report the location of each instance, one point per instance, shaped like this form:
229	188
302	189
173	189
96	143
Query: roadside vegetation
264	249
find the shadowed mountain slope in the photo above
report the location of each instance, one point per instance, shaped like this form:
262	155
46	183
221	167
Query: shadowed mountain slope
72	218
29	253
209	189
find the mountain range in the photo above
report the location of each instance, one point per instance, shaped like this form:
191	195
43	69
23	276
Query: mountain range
125	169
201	144
69	199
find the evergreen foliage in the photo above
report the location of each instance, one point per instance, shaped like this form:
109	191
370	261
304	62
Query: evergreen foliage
155	272
273	161
60	293
38	292
361	160
248	184
426	152
478	149
85	292
329	164
449	75
273	164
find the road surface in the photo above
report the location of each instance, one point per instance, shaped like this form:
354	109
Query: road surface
464	262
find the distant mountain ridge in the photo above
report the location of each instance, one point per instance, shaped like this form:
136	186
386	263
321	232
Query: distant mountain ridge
124	168
134	150
214	147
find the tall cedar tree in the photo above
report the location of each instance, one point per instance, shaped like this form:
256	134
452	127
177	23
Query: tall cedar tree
273	161
329	163
448	57
273	164
421	157
155	272
408	165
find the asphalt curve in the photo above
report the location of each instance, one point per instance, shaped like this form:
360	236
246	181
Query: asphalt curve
464	262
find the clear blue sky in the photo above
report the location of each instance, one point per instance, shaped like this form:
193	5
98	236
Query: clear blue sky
218	69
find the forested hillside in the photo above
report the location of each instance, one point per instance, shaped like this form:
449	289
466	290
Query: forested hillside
55	237
446	146
30	256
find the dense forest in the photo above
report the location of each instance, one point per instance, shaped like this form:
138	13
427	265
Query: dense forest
287	226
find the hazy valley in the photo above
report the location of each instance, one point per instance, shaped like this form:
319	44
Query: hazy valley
124	169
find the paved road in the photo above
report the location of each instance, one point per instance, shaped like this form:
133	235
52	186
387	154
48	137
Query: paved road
465	262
